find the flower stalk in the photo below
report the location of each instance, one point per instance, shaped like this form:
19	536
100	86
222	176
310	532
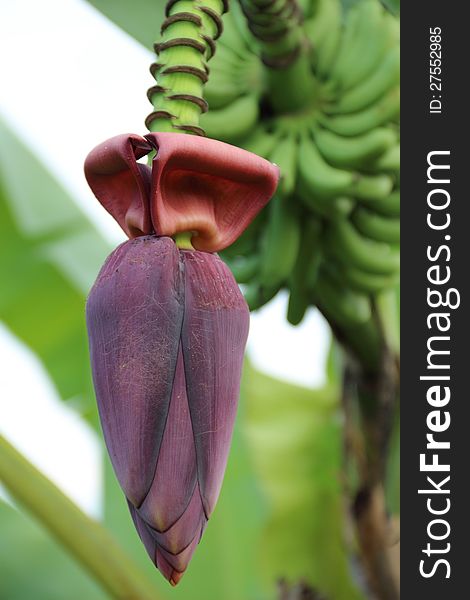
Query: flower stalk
187	44
370	401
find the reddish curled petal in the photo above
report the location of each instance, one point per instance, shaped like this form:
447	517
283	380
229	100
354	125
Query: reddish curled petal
121	184
173	566
214	333
175	476
182	532
172	550
208	187
134	318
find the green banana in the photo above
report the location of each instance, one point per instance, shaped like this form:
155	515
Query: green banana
244	269
349	39
353	152
256	294
234	122
385	109
305	272
227	58
374	87
371	187
261	142
221	89
299	301
389	161
317	176
345	306
346	244
231	37
372	46
368	283
377	227
388	206
280	244
324	30
311	252
333	207
284	155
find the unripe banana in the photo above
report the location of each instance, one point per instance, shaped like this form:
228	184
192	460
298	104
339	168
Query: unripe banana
346	244
280	244
257	295
234	122
345	306
371	46
244	269
382	111
354	152
377	227
284	155
226	57
317	176
299	301
369	283
305	272
231	37
349	39
221	89
261	142
388	206
371	187
324	30
389	161
370	90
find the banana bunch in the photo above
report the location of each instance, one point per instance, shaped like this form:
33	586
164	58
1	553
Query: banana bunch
331	235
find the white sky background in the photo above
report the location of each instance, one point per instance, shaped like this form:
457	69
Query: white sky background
69	80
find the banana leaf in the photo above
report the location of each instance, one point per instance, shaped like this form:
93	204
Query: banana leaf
295	440
33	565
141	18
49	256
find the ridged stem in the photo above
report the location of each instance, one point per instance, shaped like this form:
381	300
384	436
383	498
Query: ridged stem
187	43
277	25
83	537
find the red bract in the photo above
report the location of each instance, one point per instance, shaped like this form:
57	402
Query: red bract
198	185
167	331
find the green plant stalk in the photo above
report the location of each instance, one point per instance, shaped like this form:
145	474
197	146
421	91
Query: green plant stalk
86	539
375	397
387	307
185	113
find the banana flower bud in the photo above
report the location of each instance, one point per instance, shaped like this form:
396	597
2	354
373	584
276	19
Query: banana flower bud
167	332
168	327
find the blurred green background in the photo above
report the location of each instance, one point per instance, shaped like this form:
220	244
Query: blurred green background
280	513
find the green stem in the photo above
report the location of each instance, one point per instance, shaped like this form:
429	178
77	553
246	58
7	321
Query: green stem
83	537
372	410
186	45
284	51
387	307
